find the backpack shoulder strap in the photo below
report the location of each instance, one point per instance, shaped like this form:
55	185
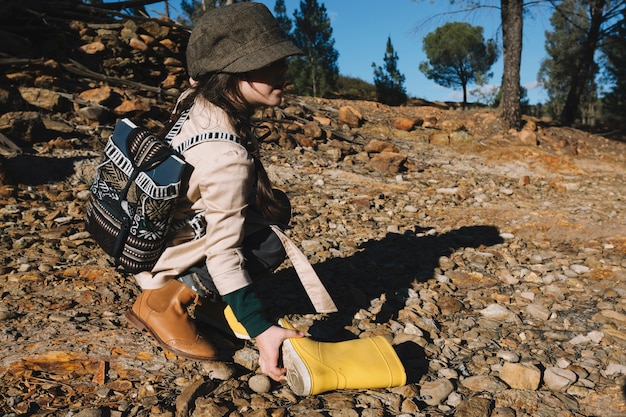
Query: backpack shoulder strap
177	126
206	137
199	138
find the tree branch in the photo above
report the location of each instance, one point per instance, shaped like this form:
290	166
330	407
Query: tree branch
79	69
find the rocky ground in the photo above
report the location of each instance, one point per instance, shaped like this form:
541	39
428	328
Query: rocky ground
493	260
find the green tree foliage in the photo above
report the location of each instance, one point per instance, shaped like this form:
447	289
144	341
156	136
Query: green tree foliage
315	73
524	102
564	45
193	9
511	15
614	102
280	13
388	80
458	55
601	16
355	88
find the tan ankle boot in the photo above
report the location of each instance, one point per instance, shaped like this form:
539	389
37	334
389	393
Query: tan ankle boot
163	313
315	367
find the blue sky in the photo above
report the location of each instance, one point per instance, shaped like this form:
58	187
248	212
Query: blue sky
361	29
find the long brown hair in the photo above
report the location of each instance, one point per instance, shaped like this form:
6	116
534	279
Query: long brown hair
223	91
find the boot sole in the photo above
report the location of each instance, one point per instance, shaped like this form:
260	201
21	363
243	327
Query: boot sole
298	376
141	325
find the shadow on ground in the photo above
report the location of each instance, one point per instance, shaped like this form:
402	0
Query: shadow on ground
386	267
37	170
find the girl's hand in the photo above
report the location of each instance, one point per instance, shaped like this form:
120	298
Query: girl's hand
269	343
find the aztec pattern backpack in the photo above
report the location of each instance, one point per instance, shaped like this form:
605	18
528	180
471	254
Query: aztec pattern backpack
134	192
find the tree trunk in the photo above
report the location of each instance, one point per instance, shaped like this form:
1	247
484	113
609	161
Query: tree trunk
581	74
464	94
510	107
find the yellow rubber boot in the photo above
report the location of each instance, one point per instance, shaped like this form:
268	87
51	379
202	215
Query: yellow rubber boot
315	367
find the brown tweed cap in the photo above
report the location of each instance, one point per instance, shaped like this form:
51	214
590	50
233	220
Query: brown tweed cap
237	38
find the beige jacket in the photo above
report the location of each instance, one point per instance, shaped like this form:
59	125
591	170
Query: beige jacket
220	185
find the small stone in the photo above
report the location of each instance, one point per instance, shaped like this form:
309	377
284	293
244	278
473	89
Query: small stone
614	316
538	311
247	357
524	376
218	370
260	384
508	356
45	268
90	412
406	124
496	312
557	379
435	392
24	267
615	369
340	401
506	277
479	383
563	363
138	44
503	412
93	48
579	340
579	269
454	399
378	146
6	313
388	162
578	391
449	305
350	116
474	407
98	96
448	373
595	336
103	392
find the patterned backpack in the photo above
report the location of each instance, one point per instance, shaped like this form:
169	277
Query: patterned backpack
134	192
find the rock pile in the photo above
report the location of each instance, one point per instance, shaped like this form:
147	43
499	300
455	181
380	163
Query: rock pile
493	260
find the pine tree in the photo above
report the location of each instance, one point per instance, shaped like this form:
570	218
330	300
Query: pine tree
280	13
512	24
193	9
600	15
458	55
614	102
316	72
388	80
564	46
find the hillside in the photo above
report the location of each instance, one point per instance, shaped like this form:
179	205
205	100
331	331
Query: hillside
493	260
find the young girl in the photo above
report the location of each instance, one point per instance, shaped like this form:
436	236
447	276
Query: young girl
236	58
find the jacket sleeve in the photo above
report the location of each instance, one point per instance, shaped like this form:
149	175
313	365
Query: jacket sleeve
225	184
225	192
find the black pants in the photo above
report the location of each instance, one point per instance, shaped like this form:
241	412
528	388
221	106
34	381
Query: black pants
263	252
